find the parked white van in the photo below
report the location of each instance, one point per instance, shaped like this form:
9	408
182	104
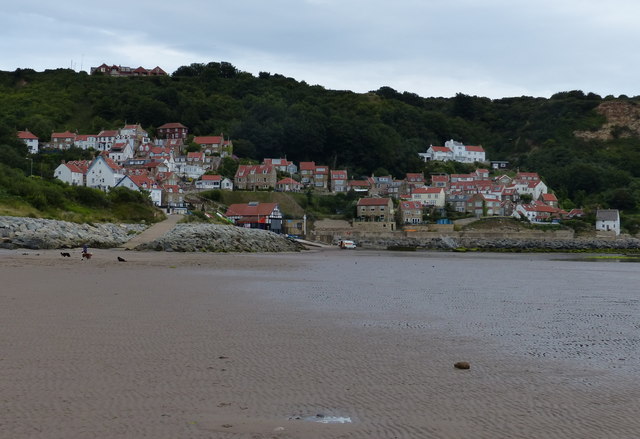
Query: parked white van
347	244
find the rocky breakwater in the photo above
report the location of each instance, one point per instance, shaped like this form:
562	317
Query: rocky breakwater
220	238
37	233
497	244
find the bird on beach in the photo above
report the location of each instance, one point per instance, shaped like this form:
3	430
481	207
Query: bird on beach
121	259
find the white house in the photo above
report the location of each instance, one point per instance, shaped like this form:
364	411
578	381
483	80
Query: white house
72	173
121	151
209	182
30	139
282	165
104	173
437	153
86	141
143	183
608	220
429	196
466	153
105	139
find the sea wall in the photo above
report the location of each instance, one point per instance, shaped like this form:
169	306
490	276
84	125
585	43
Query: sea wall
37	233
220	238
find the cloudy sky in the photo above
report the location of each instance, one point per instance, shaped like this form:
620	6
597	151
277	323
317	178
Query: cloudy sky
492	48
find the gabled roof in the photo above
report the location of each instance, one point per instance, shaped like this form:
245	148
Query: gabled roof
549	198
244	170
26	135
108	133
441	149
307	166
211	178
607	215
208	140
289	180
470	148
64	135
374	201
78	166
171	125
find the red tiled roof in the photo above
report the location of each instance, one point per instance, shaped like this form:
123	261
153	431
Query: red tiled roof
65	135
208	140
427	190
289	180
211	178
373	201
470	148
171	125
307	166
25	135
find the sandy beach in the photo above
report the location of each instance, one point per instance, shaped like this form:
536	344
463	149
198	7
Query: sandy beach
320	344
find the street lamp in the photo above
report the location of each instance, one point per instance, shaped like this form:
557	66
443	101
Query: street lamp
30	159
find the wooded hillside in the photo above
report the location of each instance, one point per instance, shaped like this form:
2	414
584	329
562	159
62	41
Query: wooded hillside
585	147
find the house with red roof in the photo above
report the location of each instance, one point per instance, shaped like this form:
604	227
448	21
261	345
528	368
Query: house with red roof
537	212
375	210
86	141
256	215
143	183
72	172
306	173
429	196
361	187
411	212
64	140
105	139
121	151
321	177
437	153
214	182
29	139
549	199
466	153
173	130
339	181
414	180
255	177
214	145
288	184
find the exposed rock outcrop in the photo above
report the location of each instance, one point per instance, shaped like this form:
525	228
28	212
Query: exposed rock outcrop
220	238
37	233
623	120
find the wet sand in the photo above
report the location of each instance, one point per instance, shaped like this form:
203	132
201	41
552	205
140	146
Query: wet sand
171	345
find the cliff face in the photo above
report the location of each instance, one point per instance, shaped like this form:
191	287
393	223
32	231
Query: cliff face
623	120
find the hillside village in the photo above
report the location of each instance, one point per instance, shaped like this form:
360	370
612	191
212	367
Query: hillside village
163	167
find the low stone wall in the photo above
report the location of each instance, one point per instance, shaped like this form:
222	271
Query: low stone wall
36	233
448	240
220	238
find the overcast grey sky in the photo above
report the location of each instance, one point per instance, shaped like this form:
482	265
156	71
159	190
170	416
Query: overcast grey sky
493	48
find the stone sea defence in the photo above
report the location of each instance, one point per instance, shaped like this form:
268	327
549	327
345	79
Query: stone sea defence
220	238
37	233
456	243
